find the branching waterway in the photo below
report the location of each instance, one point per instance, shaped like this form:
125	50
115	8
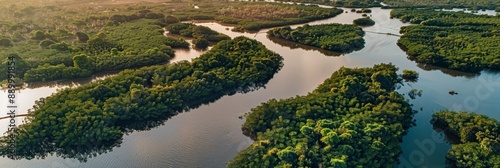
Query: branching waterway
211	135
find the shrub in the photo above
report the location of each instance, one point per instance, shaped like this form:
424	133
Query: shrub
200	43
5	42
46	43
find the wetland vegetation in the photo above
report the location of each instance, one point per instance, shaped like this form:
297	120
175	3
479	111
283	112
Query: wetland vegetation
475	138
102	112
354	119
455	40
333	37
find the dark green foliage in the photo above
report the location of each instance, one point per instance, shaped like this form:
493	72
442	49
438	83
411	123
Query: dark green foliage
454	40
364	10
62	46
140	35
476	4
356	3
5	42
197	32
364	22
46	43
82	37
170	20
479	138
17	37
102	35
82	61
176	43
98	46
354	119
410	75
129	45
333	37
176	28
38	35
200	43
21	66
101	112
52	72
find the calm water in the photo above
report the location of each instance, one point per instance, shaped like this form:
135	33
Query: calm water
211	135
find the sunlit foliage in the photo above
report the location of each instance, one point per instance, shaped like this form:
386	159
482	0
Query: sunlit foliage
354	119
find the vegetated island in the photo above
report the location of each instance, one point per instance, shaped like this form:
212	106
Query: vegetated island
334	37
344	3
364	22
202	35
78	122
354	119
454	40
475	138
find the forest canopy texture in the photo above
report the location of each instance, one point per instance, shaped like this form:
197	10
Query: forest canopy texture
334	37
103	111
477	138
54	40
454	40
355	118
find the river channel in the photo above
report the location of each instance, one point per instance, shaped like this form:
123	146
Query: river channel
211	135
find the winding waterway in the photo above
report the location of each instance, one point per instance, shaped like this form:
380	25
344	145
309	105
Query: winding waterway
211	135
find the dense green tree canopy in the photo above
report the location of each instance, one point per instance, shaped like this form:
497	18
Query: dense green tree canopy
196	32
354	119
333	37
364	22
454	40
478	138
101	112
126	45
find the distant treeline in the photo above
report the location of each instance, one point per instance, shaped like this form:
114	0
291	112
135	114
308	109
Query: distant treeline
476	138
201	34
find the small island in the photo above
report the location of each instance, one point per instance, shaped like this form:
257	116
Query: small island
354	119
364	22
475	138
410	75
334	37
